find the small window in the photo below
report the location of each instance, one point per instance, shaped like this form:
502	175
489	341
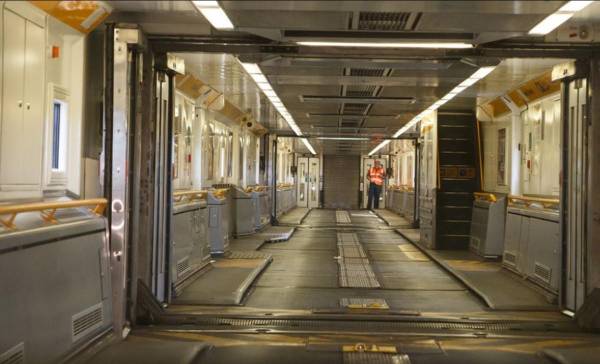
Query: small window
56	136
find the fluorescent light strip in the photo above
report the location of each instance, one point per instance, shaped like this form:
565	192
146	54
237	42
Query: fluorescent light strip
263	84
478	75
214	14
557	18
434	45
574	6
341	138
550	23
308	146
381	145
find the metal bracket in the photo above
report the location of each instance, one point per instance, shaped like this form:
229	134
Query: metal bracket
170	63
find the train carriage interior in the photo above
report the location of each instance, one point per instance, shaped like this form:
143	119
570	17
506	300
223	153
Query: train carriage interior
299	182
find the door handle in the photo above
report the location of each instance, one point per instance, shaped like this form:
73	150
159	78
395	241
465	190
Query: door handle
20	103
28	106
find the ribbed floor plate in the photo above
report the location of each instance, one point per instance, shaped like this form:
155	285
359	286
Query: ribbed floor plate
342	217
375	358
354	267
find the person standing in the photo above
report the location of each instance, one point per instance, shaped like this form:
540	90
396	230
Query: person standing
376	176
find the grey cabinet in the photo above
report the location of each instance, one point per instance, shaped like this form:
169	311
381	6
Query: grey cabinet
487	226
532	246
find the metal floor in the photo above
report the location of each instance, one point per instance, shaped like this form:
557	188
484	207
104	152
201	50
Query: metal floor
304	273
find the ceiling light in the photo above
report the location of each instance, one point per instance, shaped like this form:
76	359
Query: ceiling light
214	14
251	68
458	89
264	85
259	78
574	6
381	145
468	82
308	146
550	23
477	75
434	45
341	138
482	72
555	19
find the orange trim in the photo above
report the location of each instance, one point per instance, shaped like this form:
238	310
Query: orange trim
48	210
75	13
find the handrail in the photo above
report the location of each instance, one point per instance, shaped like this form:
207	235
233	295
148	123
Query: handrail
283	186
528	201
190	195
257	188
48	210
485	196
403	188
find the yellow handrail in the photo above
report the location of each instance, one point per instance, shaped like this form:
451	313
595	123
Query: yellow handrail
256	188
48	210
190	195
284	186
528	201
404	188
485	196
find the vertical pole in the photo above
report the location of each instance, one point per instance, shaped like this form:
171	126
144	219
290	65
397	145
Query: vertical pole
169	181
274	182
416	182
564	190
592	184
116	168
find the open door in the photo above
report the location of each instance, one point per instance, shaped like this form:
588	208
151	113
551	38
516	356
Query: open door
308	182
574	196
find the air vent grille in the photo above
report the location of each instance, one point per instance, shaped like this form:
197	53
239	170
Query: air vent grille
87	321
14	355
542	272
360	91
367	72
510	258
183	266
355	109
390	21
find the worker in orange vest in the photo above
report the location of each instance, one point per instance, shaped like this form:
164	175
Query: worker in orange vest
376	176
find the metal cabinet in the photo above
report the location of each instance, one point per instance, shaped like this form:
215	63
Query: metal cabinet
487	225
56	289
263	209
218	223
22	123
245	209
532	245
191	248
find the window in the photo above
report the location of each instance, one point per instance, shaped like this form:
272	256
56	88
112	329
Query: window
501	166
57	138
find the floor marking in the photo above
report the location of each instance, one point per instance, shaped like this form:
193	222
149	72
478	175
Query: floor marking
364	303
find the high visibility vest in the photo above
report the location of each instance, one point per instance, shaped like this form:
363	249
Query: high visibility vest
376	175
